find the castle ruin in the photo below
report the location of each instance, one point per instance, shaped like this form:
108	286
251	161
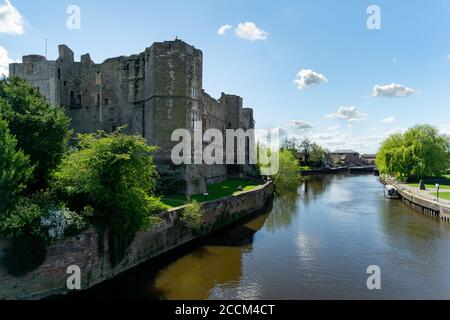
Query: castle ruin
152	94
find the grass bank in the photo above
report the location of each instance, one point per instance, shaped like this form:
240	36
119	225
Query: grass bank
215	191
444	183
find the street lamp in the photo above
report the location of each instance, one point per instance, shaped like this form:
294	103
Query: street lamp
437	189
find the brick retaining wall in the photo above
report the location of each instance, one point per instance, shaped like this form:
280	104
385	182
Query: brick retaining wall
83	250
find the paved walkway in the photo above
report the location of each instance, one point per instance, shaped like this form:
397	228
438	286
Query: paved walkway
426	194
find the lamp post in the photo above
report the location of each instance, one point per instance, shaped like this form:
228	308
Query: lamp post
437	189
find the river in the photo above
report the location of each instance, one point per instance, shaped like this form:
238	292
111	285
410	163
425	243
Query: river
316	244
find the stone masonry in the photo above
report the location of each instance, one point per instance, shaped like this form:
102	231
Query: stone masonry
151	94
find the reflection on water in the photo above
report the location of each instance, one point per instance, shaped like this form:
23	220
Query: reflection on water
215	265
314	244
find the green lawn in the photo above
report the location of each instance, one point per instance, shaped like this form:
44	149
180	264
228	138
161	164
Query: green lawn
429	186
443	195
215	191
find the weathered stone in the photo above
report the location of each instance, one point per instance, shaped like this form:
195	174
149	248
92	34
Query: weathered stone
151	93
84	251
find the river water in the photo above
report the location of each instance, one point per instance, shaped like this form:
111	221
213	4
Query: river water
316	244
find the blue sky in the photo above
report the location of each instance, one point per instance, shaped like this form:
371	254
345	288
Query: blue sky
342	60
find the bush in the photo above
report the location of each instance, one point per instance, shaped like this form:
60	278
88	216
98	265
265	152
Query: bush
115	174
15	170
32	225
42	131
26	253
22	220
192	216
288	177
28	249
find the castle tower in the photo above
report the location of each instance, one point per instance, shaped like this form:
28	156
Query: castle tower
174	83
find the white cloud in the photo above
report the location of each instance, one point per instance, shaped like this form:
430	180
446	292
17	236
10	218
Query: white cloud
307	78
249	31
302	125
444	128
334	128
388	120
223	29
5	60
347	113
395	130
392	90
11	21
347	140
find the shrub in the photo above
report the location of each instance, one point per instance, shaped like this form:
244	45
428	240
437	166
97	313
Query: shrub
22	220
42	131
26	253
192	216
32	228
15	170
115	174
28	249
288	177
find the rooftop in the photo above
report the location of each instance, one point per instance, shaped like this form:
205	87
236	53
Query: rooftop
344	151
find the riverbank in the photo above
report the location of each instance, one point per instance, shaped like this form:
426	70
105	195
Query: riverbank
91	254
421	200
314	244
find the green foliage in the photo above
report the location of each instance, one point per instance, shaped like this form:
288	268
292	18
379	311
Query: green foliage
310	153
22	220
419	152
288	177
42	131
316	156
28	249
26	253
115	174
15	170
192	216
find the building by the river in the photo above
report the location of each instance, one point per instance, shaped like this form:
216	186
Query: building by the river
346	157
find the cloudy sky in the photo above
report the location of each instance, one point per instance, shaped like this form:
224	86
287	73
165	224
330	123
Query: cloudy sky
310	67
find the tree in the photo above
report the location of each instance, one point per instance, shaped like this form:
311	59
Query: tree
288	177
305	148
42	131
114	174
316	156
419	152
15	170
292	144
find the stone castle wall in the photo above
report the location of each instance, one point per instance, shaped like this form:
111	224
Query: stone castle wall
83	250
152	93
